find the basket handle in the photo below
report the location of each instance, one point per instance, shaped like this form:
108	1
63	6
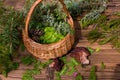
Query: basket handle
69	18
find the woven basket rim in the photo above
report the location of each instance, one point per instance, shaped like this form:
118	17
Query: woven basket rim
55	44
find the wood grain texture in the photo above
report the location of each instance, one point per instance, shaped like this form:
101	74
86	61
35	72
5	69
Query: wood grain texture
107	54
17	4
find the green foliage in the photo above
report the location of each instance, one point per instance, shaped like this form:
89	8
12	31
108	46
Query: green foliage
10	23
22	47
92	17
38	66
92	7
89	19
50	36
64	70
27	60
74	62
92	73
104	41
71	71
97	50
75	7
69	67
79	77
103	65
50	14
28	4
91	50
117	13
64	59
58	77
10	66
28	75
7	65
94	35
106	30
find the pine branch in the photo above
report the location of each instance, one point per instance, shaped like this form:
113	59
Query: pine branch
93	15
107	30
10	20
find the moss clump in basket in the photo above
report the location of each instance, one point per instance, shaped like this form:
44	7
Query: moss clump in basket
50	35
48	23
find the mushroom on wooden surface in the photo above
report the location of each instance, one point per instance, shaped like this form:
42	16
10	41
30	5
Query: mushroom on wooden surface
57	64
80	54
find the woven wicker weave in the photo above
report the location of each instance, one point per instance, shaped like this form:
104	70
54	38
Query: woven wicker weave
48	51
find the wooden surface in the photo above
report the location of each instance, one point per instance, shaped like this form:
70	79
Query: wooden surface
107	54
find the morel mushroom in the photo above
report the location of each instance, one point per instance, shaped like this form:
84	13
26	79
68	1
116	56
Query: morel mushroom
81	54
57	64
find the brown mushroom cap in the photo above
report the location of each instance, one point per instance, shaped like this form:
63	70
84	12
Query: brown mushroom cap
80	54
81	49
57	64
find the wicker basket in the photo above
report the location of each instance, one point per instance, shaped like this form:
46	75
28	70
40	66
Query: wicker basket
48	51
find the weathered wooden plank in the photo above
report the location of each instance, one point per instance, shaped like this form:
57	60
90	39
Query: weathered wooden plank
108	51
24	67
112	10
2	77
113	7
40	78
100	79
94	45
17	4
9	78
13	78
114	0
19	74
100	75
106	59
16	73
81	34
113	4
108	68
108	55
103	75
